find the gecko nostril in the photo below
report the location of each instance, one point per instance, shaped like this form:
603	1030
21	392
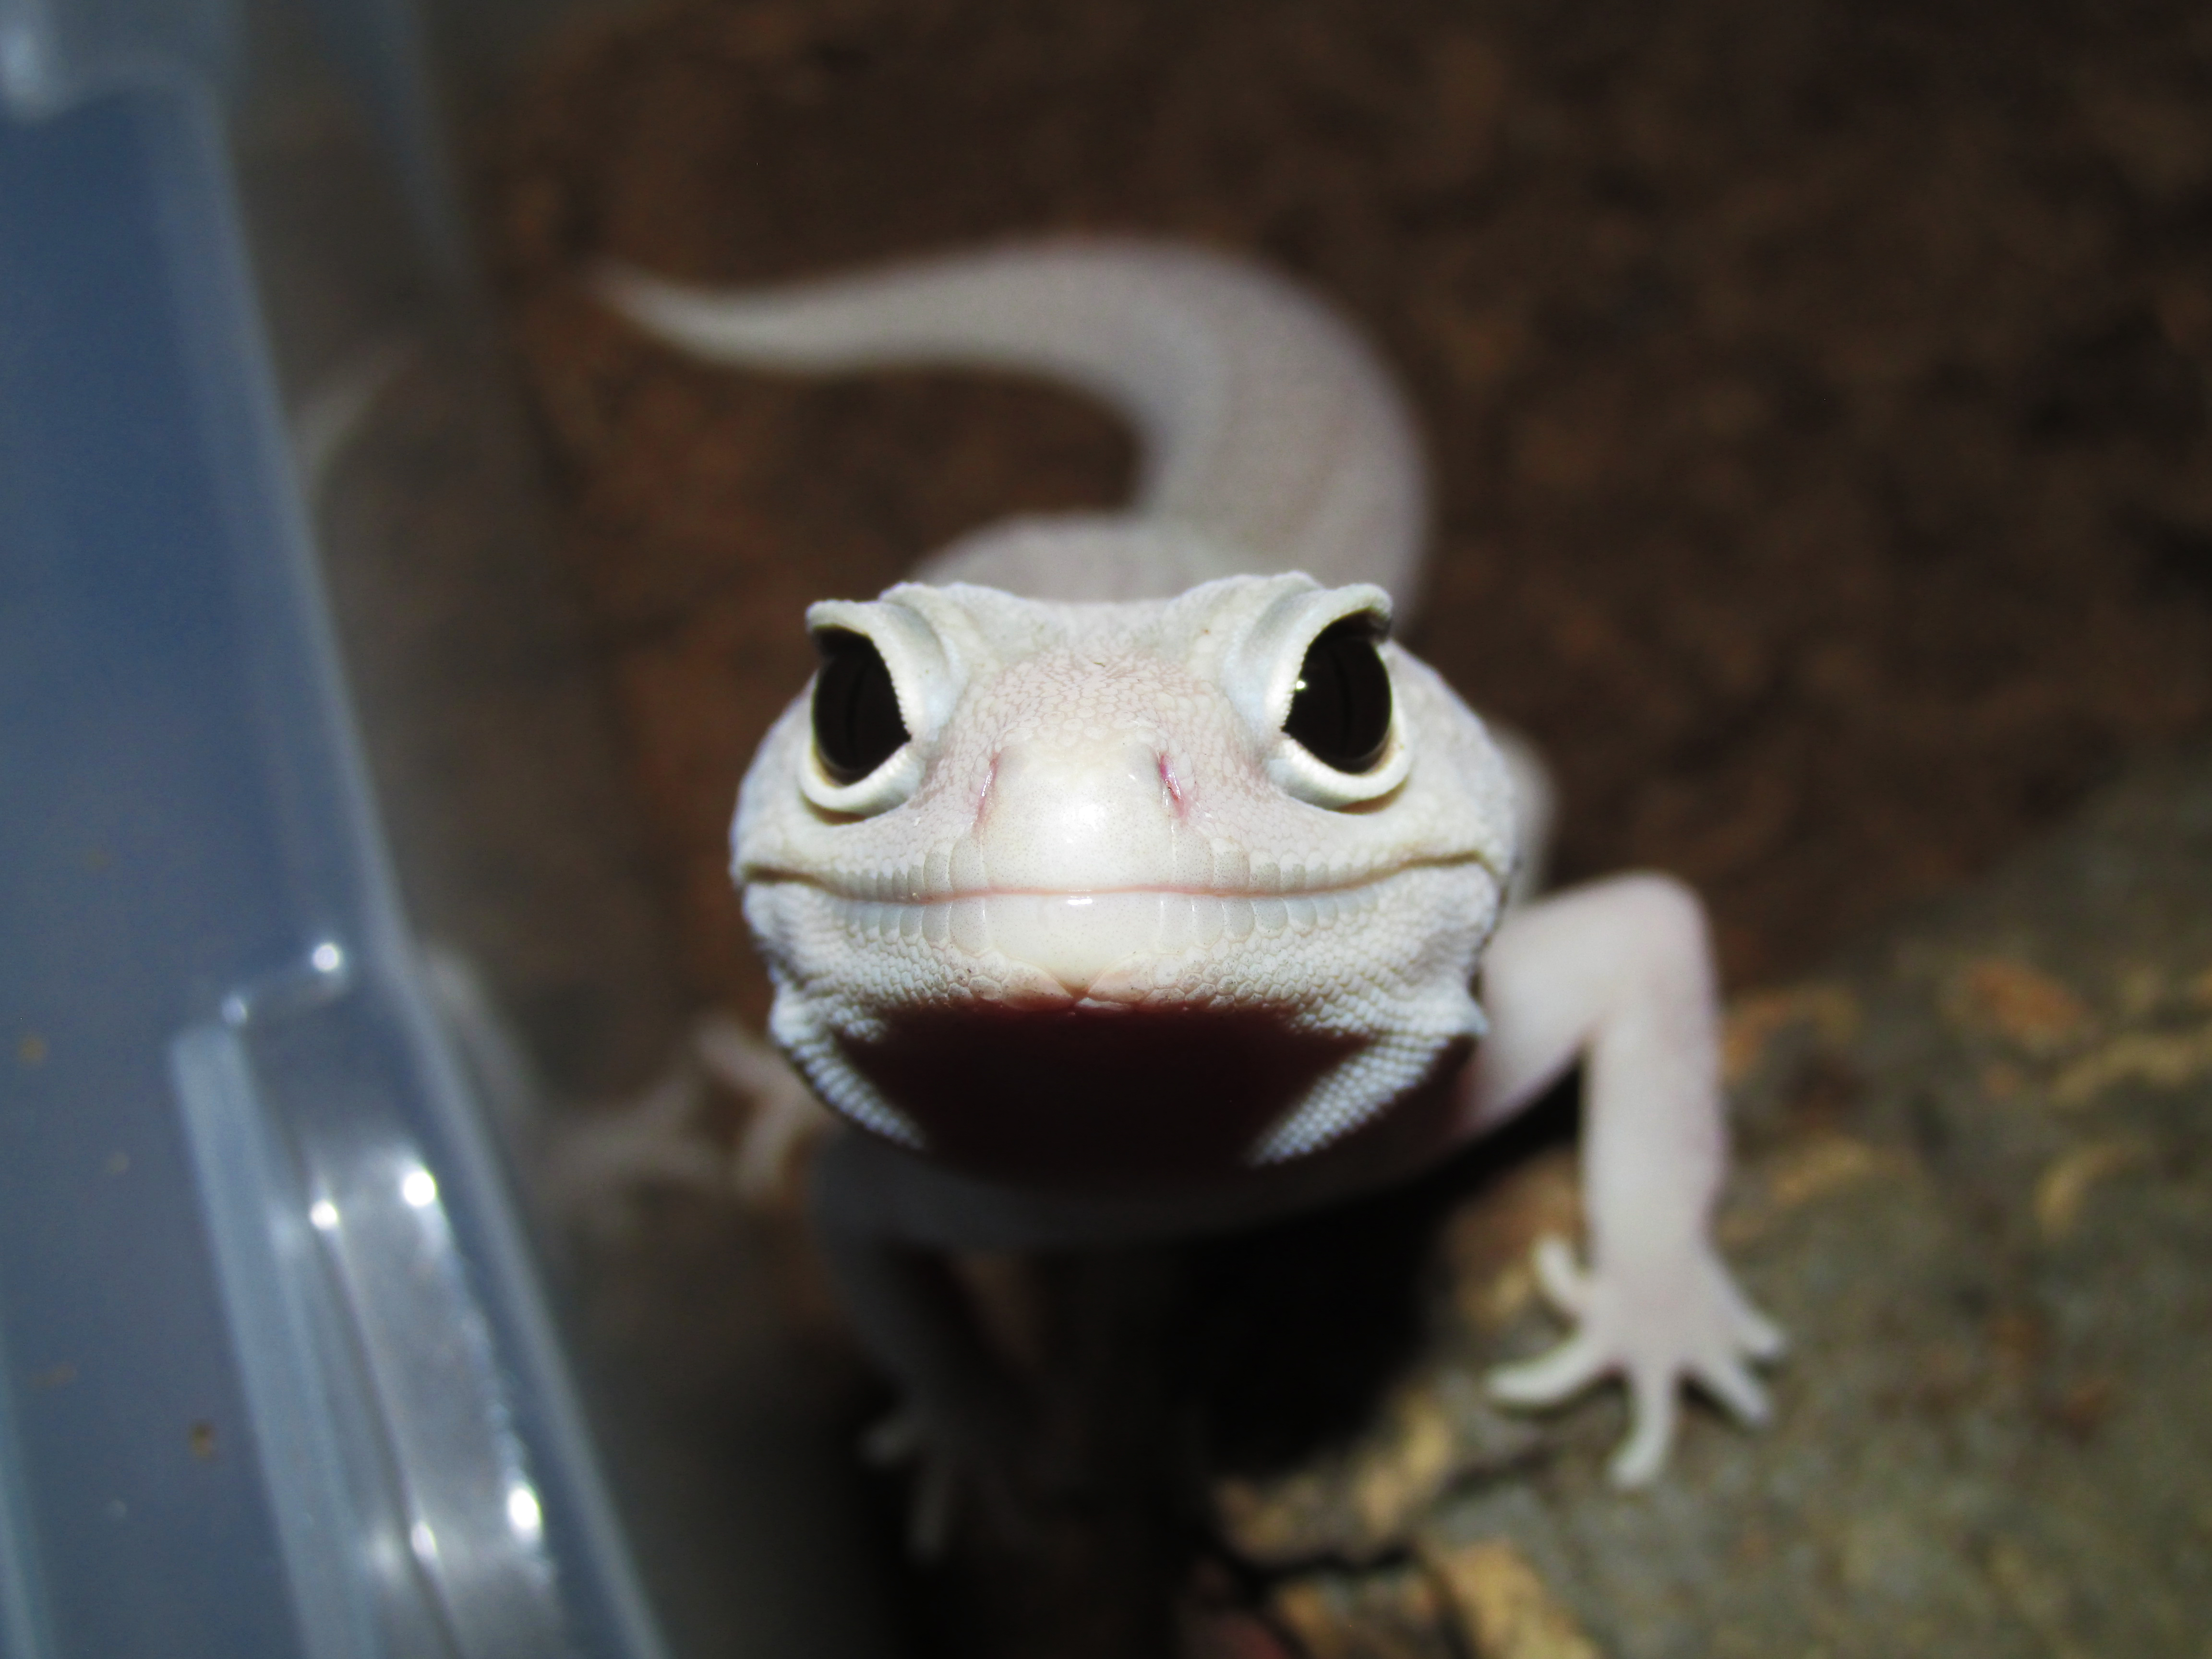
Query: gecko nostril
1170	786
983	795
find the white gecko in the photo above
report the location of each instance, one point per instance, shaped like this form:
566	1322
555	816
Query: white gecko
1119	878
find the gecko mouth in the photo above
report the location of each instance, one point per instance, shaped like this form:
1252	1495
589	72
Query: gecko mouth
1261	1025
1083	941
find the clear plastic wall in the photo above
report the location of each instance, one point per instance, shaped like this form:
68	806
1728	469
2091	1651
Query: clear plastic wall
320	892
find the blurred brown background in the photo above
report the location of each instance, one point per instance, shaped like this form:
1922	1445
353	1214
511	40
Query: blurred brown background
1817	392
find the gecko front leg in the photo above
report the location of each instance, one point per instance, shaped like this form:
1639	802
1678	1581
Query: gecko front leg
1620	975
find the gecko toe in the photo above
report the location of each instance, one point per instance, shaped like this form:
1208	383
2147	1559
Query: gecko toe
1550	1378
929	1521
1730	1381
1651	1431
1762	1339
897	1437
1561	1277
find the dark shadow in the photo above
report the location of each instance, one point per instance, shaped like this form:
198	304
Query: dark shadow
1289	1333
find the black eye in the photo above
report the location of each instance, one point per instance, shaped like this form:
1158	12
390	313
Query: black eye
1341	709
856	714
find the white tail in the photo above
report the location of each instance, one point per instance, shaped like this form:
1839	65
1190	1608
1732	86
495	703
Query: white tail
1269	427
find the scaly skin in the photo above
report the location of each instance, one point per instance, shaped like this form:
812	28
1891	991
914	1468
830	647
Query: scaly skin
1101	952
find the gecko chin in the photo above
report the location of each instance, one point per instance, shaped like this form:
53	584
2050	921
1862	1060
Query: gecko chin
1093	1099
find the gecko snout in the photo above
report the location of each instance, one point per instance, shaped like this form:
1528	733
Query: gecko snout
1080	815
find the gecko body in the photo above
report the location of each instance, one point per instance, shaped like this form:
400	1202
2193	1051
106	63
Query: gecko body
1119	878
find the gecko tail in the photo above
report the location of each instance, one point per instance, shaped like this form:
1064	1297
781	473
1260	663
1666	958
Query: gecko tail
1269	426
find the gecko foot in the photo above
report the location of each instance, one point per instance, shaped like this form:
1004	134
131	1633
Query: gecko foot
1676	1318
947	1469
596	1164
785	1114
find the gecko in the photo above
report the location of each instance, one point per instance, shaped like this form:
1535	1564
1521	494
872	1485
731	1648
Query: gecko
1120	877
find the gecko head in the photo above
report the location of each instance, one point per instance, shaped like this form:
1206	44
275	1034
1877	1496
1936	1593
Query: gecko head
1121	893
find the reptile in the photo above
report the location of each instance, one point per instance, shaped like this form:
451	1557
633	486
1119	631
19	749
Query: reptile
1119	878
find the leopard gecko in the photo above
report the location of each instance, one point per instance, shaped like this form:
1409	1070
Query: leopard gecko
1119	878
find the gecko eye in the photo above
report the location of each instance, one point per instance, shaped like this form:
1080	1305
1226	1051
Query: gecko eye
1340	707
856	714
